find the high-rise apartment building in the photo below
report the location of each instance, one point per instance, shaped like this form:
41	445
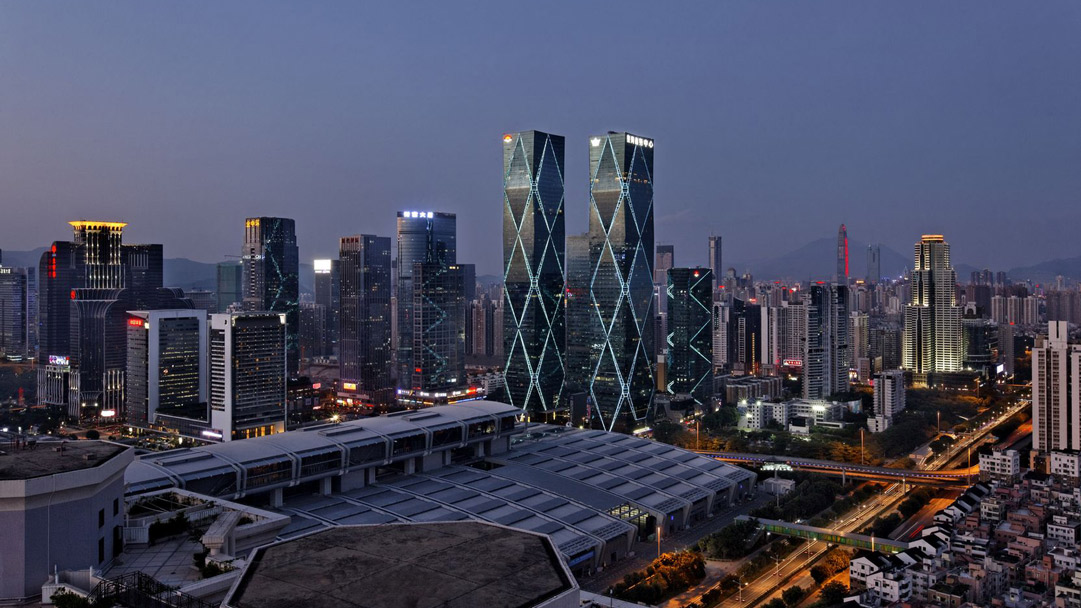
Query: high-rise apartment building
716	261
230	282
889	399
166	367
932	331
328	295
621	239
689	360
534	237
271	281
364	357
248	374
826	356
1056	391
421	236
874	264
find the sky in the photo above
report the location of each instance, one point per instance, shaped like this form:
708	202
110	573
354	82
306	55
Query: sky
774	121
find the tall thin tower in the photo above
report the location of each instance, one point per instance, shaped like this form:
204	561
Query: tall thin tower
932	335
622	382
842	255
534	238
716	262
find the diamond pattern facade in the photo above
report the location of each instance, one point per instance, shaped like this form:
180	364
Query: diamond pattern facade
534	331
622	382
689	362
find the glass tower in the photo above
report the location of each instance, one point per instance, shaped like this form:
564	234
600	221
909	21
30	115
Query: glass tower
364	359
580	316
534	333
689	362
272	275
421	234
622	380
327	294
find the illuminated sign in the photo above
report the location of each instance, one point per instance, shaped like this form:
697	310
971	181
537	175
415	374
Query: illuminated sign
316	386
793	362
136	322
321	266
59	360
5	271
418	214
507	138
212	434
770	466
349	386
595	142
639	141
108	413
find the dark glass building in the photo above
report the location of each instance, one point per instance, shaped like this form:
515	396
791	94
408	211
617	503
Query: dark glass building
420	233
14	338
364	358
534	330
621	239
328	295
826	359
689	362
438	368
230	284
271	275
582	323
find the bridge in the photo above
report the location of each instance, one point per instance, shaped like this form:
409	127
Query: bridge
953	477
850	539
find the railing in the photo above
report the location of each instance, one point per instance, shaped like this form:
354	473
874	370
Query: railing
139	590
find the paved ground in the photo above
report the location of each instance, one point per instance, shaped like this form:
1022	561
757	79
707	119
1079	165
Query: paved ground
170	561
646	552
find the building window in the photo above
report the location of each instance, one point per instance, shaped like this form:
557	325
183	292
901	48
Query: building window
116	506
101	518
101	549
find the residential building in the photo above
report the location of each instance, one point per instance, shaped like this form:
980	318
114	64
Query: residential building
826	355
1056	391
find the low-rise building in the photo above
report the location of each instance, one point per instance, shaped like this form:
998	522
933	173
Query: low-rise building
1001	465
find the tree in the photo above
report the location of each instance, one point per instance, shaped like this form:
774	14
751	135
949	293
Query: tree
93	434
792	596
776	603
833	594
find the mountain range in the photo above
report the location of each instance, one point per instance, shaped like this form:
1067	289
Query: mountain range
813	261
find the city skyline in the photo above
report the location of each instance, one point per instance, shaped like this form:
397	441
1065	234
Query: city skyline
961	125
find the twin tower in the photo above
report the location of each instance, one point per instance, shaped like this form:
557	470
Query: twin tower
589	331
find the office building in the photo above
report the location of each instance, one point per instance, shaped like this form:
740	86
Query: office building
248	374
582	323
874	264
14	313
889	399
166	366
689	361
328	295
621	238
534	237
437	374
421	234
1056	391
230	285
826	356
716	261
932	330
365	362
842	255
313	331
271	276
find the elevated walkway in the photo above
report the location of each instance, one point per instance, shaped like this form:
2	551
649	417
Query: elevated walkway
849	539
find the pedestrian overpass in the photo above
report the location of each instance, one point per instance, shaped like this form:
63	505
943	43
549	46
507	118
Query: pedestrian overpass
849	539
955	477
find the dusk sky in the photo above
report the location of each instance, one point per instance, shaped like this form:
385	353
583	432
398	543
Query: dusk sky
774	121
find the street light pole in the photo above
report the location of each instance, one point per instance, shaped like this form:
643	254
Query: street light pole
658	542
863	460
696	424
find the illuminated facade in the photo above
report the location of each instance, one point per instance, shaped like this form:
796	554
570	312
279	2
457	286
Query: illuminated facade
420	235
622	381
271	275
364	359
166	369
689	361
247	364
534	330
932	334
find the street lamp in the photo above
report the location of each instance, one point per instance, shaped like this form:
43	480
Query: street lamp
741	589
696	446
658	542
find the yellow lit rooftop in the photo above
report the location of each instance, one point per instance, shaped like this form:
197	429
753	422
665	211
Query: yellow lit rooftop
93	224
933	237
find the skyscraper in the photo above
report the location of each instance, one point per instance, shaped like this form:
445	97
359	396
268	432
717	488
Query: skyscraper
534	236
364	357
874	263
230	284
166	368
689	361
826	356
1056	390
438	368
716	261
420	234
621	239
328	295
932	334
580	315
271	281
842	255
248	374
14	343
889	399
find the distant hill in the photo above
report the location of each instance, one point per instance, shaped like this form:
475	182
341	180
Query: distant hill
22	259
817	260
1046	272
